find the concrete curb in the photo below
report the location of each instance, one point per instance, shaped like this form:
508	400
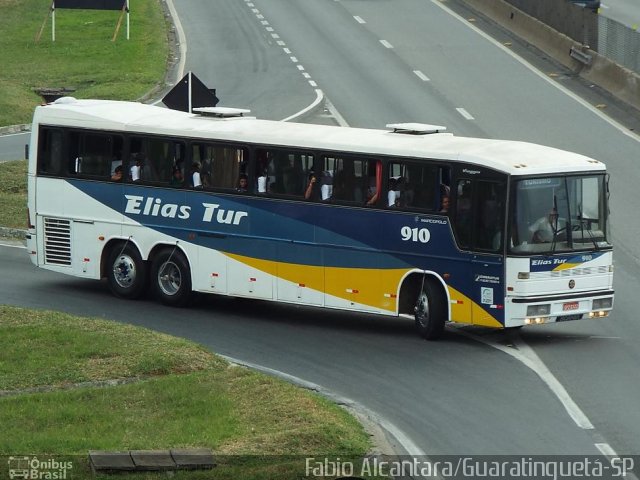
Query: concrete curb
18	233
616	79
11	129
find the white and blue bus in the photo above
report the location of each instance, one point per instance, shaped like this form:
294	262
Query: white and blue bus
410	222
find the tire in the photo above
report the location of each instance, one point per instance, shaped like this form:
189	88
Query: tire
171	278
430	311
126	272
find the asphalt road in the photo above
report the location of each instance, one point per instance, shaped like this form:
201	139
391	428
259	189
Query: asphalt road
12	146
626	12
460	395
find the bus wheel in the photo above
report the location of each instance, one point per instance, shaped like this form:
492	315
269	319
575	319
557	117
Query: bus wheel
430	312
127	272
171	278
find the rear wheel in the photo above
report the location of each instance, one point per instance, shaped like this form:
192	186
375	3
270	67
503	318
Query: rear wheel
126	271
430	311
171	278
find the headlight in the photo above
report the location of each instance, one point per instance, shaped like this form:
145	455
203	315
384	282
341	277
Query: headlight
538	310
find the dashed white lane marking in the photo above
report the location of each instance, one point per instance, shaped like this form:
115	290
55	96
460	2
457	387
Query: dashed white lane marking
464	113
358	19
618	126
386	44
421	75
272	32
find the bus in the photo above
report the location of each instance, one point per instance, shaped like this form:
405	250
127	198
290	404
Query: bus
411	222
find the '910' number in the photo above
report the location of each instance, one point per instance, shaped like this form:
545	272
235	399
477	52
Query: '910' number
421	235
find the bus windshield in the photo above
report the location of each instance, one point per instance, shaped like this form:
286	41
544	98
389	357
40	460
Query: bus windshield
559	214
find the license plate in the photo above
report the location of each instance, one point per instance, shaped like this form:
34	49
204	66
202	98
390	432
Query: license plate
570	306
566	318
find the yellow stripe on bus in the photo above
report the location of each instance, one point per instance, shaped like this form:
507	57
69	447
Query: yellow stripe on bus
366	286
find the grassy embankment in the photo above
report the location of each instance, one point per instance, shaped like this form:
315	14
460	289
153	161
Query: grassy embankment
13	194
83	56
179	396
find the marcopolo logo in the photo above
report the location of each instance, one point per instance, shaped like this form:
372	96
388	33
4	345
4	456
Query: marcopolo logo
34	468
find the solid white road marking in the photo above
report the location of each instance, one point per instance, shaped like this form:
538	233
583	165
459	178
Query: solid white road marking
525	354
606	449
13	246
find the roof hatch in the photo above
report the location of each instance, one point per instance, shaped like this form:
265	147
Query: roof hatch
221	112
416	128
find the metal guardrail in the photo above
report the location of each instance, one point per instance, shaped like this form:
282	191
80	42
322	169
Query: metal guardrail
608	37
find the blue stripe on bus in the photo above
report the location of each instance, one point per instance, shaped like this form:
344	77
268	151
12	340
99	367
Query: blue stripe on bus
300	233
359	235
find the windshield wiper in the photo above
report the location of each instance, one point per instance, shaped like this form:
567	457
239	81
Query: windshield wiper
582	221
554	226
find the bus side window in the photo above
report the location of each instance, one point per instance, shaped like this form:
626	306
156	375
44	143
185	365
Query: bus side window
480	227
284	172
154	160
463	221
94	155
219	166
50	153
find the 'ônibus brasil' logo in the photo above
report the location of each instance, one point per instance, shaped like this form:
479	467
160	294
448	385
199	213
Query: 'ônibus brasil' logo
154	207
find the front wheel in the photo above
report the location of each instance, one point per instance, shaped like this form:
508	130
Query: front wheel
126	271
171	278
430	311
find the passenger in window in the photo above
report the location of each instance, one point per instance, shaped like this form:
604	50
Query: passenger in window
393	195
205	178
309	191
326	185
262	183
136	168
117	174
444	203
372	192
177	179
196	180
243	183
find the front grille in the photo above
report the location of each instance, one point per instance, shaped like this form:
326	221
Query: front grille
571	272
57	241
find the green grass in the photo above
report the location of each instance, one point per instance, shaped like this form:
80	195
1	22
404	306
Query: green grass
179	396
13	194
83	56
